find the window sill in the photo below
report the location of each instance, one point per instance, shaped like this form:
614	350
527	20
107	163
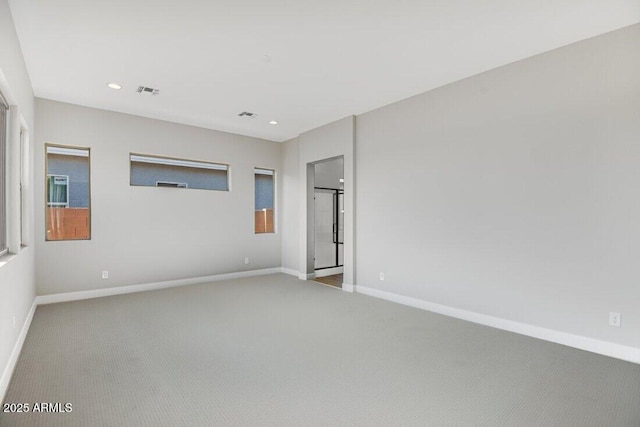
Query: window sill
6	259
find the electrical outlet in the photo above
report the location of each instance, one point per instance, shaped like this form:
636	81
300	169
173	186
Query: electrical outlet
381	276
105	274
614	319
246	260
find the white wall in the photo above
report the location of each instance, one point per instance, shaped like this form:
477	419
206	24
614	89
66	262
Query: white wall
289	213
147	234
17	278
514	193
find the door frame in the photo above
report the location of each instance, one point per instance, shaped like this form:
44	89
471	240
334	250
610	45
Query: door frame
336	139
336	225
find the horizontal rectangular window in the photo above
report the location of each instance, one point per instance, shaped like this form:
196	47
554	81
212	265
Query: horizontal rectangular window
154	171
68	193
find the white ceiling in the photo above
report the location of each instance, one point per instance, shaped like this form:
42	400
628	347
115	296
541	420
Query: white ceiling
328	58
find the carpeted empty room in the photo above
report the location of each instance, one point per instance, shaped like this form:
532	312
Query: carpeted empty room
319	213
274	350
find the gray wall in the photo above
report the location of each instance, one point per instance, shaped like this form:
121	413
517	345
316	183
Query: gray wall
513	193
17	274
150	234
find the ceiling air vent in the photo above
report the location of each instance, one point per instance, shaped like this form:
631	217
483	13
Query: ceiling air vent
247	115
148	90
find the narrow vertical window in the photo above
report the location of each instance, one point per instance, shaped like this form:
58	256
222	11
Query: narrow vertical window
3	175
68	194
264	200
23	169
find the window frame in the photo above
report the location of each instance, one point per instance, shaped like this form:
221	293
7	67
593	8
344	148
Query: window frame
58	204
4	174
227	169
273	195
25	185
23	168
46	201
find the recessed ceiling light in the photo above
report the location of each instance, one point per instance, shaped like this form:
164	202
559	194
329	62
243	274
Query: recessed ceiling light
273	122
114	86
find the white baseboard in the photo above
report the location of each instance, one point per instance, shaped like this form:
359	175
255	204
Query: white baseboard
329	271
13	358
348	288
303	276
96	293
629	354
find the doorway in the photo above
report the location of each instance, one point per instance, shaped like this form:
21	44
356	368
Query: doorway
328	225
329	228
334	280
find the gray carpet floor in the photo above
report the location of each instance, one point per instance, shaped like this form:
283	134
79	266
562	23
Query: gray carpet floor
276	351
